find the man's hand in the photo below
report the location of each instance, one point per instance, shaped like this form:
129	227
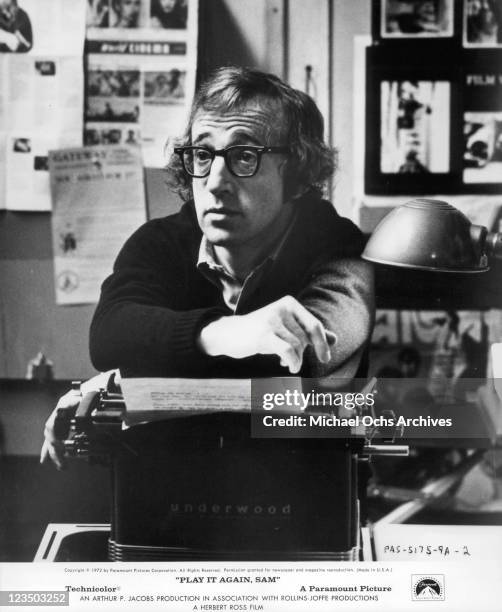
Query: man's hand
284	328
53	448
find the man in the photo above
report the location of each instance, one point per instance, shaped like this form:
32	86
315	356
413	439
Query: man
256	275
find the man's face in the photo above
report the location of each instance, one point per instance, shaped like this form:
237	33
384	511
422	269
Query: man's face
233	210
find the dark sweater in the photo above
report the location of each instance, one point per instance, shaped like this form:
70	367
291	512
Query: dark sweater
155	303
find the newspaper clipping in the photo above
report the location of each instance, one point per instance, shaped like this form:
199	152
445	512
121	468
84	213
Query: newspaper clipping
93	189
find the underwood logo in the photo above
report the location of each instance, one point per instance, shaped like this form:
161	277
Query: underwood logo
230	509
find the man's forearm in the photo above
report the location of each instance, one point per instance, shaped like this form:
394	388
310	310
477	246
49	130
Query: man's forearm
142	338
283	328
341	295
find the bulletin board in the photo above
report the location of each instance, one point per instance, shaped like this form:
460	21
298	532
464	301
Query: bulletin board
434	98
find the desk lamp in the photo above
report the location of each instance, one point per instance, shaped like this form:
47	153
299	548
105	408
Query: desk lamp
431	235
426	234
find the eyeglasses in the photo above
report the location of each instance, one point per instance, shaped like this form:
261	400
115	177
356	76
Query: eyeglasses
241	160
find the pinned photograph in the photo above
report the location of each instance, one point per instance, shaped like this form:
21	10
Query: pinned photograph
415	127
482	23
416	18
482	147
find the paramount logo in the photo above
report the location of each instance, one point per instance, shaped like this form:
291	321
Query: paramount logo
211	509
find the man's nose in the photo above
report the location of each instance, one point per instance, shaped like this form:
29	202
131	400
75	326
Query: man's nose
219	176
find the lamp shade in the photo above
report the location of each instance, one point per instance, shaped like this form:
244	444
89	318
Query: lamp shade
428	235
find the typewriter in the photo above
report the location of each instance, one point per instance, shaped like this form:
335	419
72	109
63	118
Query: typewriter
200	488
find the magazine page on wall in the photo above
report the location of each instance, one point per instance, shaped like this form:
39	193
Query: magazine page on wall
141	71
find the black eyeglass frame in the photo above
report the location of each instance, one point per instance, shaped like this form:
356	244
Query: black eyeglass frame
259	150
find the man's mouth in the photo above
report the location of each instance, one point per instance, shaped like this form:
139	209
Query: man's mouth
221	211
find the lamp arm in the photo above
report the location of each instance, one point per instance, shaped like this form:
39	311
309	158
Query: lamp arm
485	242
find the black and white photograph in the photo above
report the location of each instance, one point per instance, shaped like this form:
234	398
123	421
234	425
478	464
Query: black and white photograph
482	23
41	163
125	13
168	86
46	68
416	18
482	161
16	33
21	145
112	109
250	308
169	14
97	136
98	13
121	14
415	127
110	83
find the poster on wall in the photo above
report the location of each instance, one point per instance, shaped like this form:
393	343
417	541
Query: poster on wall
41	93
140	72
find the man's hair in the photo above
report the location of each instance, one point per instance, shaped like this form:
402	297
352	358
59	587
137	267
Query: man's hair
295	121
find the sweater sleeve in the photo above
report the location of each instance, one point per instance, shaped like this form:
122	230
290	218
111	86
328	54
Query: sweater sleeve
340	294
140	325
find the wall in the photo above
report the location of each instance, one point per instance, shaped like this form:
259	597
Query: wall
25	406
349	19
242	32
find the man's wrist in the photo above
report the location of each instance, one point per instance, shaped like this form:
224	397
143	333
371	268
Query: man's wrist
210	339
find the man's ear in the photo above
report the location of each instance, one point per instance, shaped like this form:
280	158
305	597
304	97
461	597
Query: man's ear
293	189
